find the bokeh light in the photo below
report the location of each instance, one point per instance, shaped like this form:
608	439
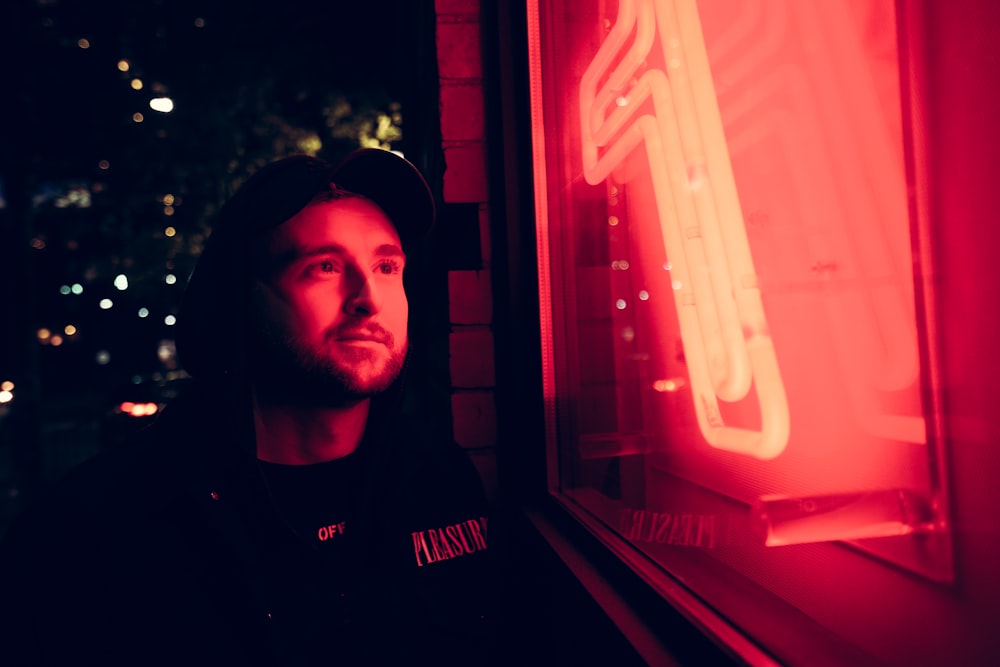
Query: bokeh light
161	104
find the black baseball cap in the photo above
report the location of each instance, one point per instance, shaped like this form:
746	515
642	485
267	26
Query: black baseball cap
284	187
214	315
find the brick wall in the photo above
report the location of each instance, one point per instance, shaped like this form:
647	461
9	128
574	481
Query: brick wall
470	304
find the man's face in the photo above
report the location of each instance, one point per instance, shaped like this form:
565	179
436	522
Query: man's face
331	313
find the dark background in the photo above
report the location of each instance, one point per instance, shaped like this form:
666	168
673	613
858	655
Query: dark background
85	190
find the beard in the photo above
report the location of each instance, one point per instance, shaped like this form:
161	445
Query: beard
289	370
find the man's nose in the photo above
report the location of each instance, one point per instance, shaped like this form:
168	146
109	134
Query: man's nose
362	297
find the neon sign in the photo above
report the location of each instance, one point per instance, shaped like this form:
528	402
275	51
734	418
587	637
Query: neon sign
723	326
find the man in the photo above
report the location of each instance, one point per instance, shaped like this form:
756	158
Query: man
282	510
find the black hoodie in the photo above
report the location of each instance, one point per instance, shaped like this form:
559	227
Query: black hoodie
170	549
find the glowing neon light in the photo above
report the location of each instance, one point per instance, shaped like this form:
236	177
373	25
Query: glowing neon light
722	322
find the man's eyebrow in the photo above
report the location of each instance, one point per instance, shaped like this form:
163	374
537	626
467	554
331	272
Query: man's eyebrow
389	250
297	253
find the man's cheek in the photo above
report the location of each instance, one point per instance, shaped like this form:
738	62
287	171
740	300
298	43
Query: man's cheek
398	317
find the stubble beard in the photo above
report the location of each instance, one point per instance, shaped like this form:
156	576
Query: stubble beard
292	371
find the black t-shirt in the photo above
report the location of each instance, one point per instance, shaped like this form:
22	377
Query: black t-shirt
314	500
311	572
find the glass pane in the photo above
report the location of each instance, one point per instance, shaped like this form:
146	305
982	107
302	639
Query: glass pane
736	355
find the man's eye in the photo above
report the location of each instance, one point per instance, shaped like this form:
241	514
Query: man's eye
321	268
388	267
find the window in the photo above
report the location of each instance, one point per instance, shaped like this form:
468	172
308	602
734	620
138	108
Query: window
738	363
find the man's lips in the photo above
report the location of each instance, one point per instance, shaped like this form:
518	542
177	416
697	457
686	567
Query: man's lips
363	336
